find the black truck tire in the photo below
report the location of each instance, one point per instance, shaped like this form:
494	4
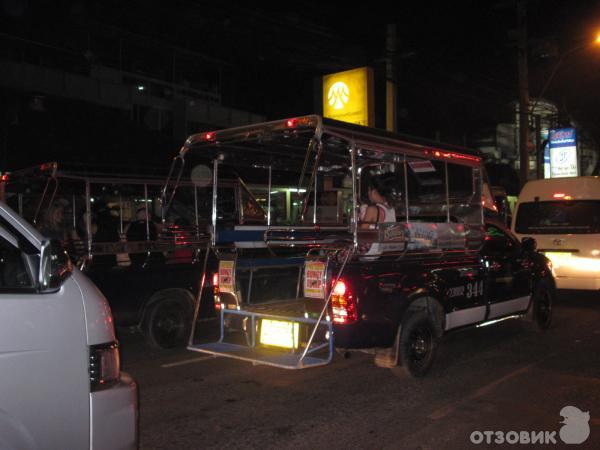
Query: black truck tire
167	322
418	343
541	306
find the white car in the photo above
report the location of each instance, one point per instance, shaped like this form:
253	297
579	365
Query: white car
60	384
563	215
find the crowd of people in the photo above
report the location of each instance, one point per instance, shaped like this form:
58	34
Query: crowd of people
105	227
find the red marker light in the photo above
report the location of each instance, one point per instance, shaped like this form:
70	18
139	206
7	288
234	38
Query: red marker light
209	136
4	178
291	123
343	304
339	288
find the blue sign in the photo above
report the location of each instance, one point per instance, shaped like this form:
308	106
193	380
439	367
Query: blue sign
563	153
563	137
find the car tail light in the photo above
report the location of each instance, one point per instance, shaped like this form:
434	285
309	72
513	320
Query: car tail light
105	365
343	304
215	284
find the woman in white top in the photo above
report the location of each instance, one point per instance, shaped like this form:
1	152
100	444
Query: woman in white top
378	211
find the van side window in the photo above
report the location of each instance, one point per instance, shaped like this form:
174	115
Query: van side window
14	273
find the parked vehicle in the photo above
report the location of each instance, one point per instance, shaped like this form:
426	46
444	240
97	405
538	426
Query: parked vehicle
563	215
61	384
110	224
291	292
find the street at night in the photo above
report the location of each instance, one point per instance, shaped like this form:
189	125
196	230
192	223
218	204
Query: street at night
316	226
502	377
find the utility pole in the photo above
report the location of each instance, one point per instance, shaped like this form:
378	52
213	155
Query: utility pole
391	90
523	90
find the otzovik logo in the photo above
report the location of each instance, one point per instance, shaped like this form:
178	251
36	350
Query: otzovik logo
575	430
338	95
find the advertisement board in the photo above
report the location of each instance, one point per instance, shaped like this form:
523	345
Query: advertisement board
563	153
349	97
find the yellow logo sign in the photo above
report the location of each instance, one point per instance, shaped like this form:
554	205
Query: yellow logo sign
348	96
338	95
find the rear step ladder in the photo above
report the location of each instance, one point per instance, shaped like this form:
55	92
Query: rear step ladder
295	357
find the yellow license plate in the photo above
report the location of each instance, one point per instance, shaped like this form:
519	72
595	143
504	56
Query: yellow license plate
279	333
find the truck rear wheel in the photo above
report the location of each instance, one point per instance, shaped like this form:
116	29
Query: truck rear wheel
418	343
167	323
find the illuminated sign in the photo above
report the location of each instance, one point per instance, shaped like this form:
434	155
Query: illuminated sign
348	96
563	153
314	276
227	276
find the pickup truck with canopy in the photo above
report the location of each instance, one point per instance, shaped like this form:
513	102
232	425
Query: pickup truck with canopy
311	278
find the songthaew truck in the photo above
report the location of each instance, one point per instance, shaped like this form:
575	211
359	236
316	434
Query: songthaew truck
361	240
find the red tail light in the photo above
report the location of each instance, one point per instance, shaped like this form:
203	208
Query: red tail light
215	285
343	304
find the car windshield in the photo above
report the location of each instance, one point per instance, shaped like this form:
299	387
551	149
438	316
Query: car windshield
569	216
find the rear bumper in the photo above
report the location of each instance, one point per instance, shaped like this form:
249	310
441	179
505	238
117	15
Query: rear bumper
113	416
362	334
591	284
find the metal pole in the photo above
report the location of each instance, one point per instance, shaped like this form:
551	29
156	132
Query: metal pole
269	199
447	194
199	298
315	197
147	214
539	151
121	214
523	91
196	211
354	195
214	202
88	218
406	187
349	252
390	82
74	214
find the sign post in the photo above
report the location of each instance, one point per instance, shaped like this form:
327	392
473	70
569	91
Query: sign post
348	96
563	153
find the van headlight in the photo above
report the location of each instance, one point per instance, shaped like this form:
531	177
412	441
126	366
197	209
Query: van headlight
105	365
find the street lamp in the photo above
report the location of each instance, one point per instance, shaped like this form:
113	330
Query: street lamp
561	59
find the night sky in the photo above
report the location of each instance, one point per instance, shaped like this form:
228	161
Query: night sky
456	62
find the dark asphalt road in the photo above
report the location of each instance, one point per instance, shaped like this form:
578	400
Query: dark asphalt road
498	378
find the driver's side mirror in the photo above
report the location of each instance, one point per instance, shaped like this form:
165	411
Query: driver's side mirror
55	266
529	244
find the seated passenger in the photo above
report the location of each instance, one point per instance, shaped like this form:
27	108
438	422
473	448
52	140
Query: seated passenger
378	209
105	229
141	230
53	226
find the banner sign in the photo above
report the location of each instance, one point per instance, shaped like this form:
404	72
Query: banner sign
227	276
563	153
314	279
349	96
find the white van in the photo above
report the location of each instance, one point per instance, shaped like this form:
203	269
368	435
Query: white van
60	379
563	215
